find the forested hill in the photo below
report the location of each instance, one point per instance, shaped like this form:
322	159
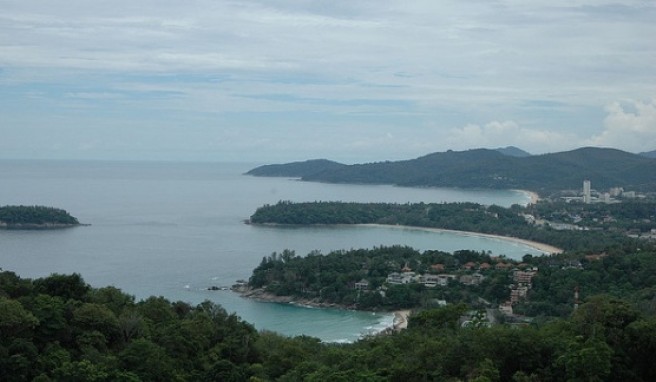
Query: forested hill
296	169
35	217
483	168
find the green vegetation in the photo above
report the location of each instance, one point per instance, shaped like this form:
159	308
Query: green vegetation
296	169
599	256
628	276
473	217
331	278
58	328
35	217
483	168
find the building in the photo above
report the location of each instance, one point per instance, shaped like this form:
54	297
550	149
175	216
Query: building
429	281
474	279
362	285
506	309
616	191
629	194
517	294
401	278
587	198
523	277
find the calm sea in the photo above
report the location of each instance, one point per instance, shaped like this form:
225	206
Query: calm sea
175	229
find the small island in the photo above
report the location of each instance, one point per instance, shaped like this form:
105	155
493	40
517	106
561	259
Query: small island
35	217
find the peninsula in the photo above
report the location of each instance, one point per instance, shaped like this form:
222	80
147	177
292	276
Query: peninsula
529	224
35	217
488	169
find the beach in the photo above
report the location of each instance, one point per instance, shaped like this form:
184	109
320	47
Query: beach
546	248
401	319
533	195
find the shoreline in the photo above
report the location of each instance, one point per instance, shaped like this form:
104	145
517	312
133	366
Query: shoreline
546	248
37	226
534	197
542	247
399	321
260	295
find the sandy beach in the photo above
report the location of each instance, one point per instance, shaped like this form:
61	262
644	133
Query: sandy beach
401	319
534	196
546	248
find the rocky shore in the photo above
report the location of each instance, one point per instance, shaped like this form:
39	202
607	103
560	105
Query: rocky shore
259	294
36	226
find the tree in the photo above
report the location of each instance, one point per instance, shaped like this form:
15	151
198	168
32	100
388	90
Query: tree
147	360
588	360
15	321
65	286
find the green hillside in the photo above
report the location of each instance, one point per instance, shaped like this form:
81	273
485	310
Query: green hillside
296	169
483	168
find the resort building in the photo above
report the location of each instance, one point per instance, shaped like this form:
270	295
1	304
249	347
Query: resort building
587	198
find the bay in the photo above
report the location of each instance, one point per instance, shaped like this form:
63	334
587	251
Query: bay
175	229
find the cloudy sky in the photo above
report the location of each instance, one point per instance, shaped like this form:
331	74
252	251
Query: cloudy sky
353	81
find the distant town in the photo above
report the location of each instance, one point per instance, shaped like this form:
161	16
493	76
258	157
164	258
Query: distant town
572	216
612	195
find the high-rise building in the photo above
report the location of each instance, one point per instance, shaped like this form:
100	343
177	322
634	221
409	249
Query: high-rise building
586	192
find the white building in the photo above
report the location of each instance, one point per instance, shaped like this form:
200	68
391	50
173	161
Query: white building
401	278
587	198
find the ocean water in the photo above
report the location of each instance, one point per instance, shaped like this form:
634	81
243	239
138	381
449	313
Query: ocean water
175	229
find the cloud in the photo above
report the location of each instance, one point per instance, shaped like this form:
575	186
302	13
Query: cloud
509	133
629	125
314	68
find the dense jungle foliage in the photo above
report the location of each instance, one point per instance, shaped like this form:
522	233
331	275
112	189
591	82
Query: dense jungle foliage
463	217
36	215
59	329
331	278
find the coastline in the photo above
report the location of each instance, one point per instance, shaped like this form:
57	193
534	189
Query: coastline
260	295
546	248
399	321
532	195
37	226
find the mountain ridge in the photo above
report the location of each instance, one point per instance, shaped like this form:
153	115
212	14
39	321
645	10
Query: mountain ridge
489	168
648	154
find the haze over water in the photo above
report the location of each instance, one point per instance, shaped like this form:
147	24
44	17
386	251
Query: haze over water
175	229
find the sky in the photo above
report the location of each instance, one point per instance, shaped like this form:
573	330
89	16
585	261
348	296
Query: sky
353	81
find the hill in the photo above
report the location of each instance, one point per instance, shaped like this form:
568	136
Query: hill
649	154
296	169
483	168
513	151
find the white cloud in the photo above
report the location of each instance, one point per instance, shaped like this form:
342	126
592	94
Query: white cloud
320	66
509	133
630	126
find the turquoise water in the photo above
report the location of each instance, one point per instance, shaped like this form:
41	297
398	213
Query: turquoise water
175	229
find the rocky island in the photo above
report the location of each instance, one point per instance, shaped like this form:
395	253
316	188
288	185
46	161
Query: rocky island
35	217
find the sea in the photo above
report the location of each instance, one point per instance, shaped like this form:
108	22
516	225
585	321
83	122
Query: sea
177	229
